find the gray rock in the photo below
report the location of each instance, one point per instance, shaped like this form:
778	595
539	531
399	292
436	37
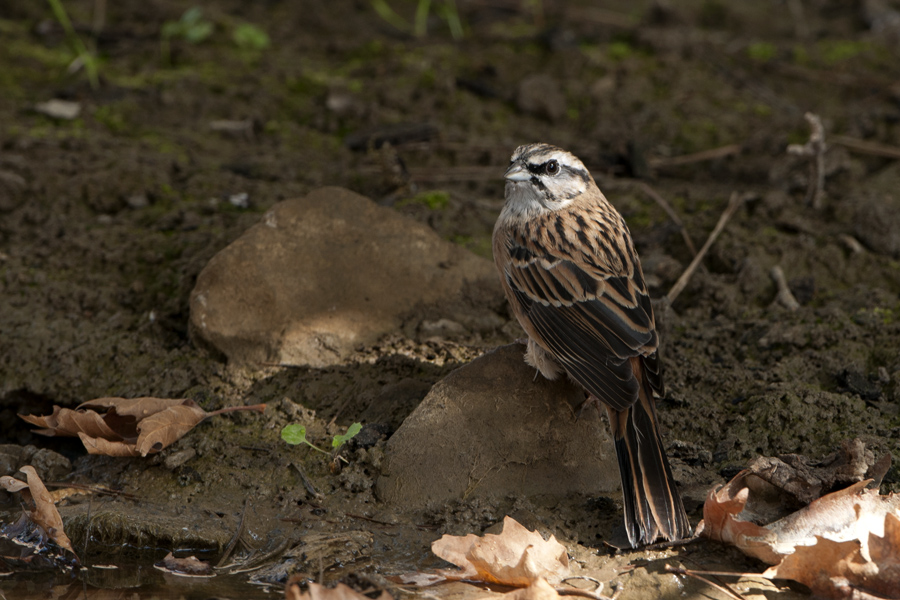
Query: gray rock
491	428
322	275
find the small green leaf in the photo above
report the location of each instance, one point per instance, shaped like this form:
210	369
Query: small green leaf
250	37
294	434
340	440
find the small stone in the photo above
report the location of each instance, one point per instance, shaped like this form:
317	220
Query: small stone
240	200
137	201
63	110
442	328
176	459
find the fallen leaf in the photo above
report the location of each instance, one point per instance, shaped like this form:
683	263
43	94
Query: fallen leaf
845	544
44	512
851	569
538	590
127	426
515	557
185	567
320	592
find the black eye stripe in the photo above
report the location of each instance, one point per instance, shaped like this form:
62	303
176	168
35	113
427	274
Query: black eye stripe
551	167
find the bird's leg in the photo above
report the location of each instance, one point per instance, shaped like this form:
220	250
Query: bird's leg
590	400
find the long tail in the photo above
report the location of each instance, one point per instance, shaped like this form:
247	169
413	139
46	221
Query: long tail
652	504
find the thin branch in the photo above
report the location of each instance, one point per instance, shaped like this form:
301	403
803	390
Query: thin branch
723	587
672	215
864	147
686	159
735	202
814	149
232	544
784	297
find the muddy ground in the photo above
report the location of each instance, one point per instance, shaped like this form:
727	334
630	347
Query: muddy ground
106	220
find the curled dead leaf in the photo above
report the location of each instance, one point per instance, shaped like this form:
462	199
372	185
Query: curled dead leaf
845	544
852	569
129	426
43	512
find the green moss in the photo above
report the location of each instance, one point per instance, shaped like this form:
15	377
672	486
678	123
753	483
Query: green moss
762	51
619	50
113	118
835	51
433	199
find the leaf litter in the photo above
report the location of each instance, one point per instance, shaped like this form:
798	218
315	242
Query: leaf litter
515	557
127	426
42	513
843	544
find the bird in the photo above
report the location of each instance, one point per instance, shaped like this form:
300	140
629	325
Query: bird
572	276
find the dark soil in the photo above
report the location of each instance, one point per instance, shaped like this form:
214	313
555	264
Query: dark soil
106	220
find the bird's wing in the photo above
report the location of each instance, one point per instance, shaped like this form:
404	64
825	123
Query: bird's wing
591	319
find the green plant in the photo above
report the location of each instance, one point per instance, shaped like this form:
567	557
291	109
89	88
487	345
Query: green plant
191	27
762	51
445	10
434	200
250	37
296	434
83	57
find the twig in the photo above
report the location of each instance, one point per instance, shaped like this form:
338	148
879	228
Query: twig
600	16
94	489
873	148
815	150
582	593
784	297
735	202
852	243
686	159
306	482
673	543
256	407
232	544
672	215
723	587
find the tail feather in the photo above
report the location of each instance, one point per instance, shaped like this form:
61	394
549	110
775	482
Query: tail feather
652	504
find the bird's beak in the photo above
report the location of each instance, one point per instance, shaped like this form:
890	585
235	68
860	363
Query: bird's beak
517	172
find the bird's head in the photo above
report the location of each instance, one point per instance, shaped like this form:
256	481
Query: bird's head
543	178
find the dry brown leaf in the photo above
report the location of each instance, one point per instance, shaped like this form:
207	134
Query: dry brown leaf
843	545
515	557
850	569
538	590
848	514
130	426
107	447
320	592
44	512
167	426
185	567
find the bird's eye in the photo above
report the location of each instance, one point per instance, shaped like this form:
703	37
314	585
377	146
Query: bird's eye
552	168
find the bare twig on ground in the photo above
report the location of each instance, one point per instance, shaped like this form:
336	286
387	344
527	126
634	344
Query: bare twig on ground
686	159
814	149
864	147
701	575
851	243
735	202
784	297
672	215
232	544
